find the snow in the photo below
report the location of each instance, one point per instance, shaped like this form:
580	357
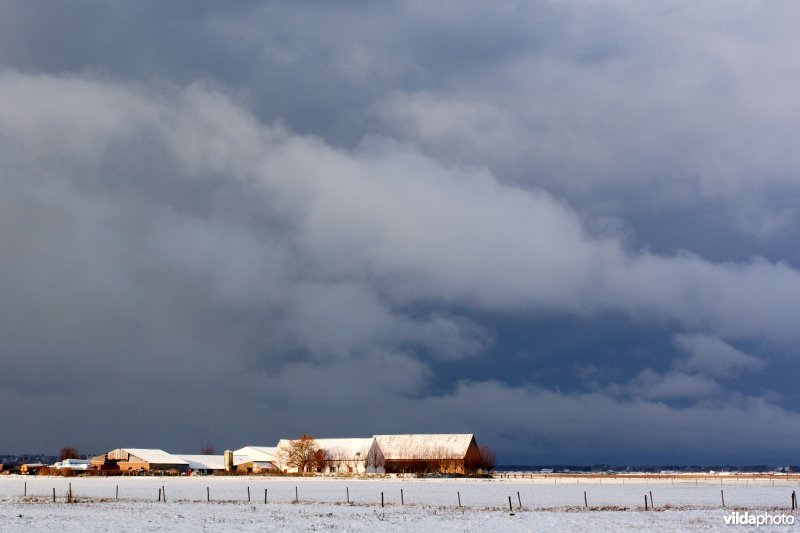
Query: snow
424	446
337	448
255	453
154	456
204	462
430	504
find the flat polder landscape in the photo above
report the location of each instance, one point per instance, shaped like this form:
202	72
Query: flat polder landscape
532	502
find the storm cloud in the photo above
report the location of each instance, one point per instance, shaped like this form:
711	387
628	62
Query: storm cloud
567	227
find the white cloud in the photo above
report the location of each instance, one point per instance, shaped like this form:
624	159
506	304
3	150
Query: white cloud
673	385
714	356
183	233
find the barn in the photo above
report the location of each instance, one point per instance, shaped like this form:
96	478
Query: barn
139	459
429	453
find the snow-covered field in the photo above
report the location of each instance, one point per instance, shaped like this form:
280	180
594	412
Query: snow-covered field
428	504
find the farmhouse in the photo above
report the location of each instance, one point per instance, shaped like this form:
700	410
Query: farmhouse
443	453
344	456
141	459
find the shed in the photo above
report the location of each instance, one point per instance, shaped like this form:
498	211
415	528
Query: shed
204	464
255	459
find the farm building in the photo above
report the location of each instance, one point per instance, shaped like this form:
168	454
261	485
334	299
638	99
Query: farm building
204	464
255	459
339	456
133	459
72	464
444	453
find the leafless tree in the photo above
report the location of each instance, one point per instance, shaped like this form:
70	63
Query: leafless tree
320	460
68	452
207	450
302	453
487	459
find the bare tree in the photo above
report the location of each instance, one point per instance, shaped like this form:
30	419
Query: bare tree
320	460
207	450
302	453
487	459
68	452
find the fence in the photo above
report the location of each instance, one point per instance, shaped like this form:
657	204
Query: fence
531	494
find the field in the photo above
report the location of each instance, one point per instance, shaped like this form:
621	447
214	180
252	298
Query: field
302	504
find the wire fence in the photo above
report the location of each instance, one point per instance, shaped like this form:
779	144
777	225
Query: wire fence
537	494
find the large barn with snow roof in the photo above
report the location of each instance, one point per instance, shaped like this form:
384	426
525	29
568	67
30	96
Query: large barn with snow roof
419	453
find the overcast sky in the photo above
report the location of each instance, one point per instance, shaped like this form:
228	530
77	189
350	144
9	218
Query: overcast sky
570	227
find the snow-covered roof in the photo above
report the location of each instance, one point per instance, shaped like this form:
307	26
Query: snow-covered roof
204	462
255	453
422	446
153	456
344	449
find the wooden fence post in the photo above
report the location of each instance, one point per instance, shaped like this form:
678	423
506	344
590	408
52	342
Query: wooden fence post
585	500
159	494
651	500
348	494
164	491
381	499
116	493
402	500
248	494
265	495
296	497
510	509
54	495
25	490
519	499
458	493
722	495
645	502
208	494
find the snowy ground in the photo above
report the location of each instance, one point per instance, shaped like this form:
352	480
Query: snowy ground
428	504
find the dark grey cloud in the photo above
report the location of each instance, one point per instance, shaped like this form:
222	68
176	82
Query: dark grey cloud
240	222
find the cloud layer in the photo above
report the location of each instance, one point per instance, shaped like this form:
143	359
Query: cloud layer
364	240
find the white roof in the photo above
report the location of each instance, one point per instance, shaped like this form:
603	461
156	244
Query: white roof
343	449
204	462
158	457
254	453
422	446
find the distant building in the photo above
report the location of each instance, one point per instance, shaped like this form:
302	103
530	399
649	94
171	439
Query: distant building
30	468
73	464
431	453
139	459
